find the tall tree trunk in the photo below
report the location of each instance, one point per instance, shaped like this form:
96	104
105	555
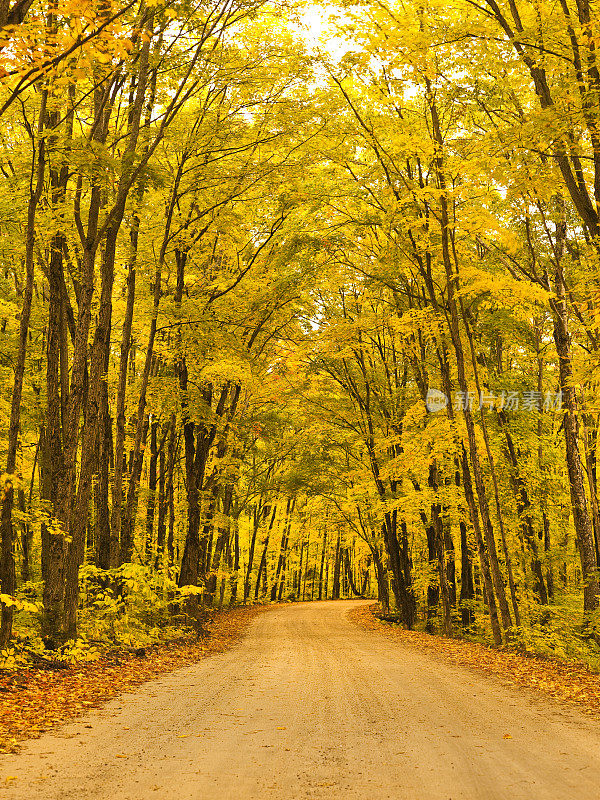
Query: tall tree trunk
234	580
326	584
335	590
302	589
488	583
132	501
298	576
163	502
383	594
282	549
433	588
323	553
581	518
492	466
106	554
120	427
467	590
438	526
523	510
545	533
283	575
452	287
26	538
7	561
188	573
349	575
152	484
258	512
450	562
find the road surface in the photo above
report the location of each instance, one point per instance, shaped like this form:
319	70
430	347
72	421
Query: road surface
308	705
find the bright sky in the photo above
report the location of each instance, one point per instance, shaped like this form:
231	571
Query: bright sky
314	25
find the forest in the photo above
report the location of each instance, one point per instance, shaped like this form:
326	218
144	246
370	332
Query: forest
286	318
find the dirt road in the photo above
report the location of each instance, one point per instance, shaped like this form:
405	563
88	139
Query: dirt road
310	706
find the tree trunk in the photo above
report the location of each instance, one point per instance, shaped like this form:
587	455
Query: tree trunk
492	466
523	510
117	488
306	569
467	590
256	516
282	549
438	527
452	286
581	518
383	593
433	589
335	589
236	561
349	575
152	484
170	489
26	538
262	567
163	504
7	561
323	552
106	546
488	584
298	577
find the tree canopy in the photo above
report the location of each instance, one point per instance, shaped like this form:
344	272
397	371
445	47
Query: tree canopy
282	320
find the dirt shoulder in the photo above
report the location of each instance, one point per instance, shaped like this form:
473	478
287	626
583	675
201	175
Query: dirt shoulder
565	682
33	701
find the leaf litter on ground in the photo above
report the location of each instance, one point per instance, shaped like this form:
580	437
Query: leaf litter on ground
561	680
32	701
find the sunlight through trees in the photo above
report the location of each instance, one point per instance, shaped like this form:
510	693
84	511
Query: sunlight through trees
281	321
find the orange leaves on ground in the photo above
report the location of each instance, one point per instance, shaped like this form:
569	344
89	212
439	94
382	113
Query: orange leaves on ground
560	680
32	701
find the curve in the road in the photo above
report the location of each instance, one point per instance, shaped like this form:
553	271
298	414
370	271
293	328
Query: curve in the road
310	706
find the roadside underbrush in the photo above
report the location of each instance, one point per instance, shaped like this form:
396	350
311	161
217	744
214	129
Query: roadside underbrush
127	609
35	698
133	624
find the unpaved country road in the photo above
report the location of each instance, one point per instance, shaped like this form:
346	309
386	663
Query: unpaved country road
310	706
